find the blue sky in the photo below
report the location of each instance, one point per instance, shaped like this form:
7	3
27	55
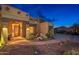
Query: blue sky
64	14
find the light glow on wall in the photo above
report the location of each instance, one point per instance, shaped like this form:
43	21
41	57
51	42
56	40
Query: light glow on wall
29	30
4	36
17	29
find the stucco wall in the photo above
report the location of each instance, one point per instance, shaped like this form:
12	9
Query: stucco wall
13	13
44	27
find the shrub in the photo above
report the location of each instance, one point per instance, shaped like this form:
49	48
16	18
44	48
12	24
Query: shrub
71	52
42	37
35	50
31	36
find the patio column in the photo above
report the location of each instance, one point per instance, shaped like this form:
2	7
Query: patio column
24	29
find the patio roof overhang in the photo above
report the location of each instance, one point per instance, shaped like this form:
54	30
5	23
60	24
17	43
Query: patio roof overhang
14	17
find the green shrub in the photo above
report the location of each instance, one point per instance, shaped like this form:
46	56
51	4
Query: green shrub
44	37
31	36
50	34
35	50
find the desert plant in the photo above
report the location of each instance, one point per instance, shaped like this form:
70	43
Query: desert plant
35	50
31	36
44	37
50	34
71	52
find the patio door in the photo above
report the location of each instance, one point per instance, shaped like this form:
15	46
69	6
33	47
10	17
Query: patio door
16	30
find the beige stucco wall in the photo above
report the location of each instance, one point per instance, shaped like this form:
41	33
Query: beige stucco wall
44	27
13	13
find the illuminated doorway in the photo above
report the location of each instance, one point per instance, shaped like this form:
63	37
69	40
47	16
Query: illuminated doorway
16	29
29	31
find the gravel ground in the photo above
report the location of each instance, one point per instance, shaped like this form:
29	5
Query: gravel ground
25	47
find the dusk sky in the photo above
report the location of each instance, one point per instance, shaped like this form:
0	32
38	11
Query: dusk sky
64	15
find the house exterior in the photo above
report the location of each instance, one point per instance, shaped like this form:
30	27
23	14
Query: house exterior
40	26
68	30
61	29
19	23
74	29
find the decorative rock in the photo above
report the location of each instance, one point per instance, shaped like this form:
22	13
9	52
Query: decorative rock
36	52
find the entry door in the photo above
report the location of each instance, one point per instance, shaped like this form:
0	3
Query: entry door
15	30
